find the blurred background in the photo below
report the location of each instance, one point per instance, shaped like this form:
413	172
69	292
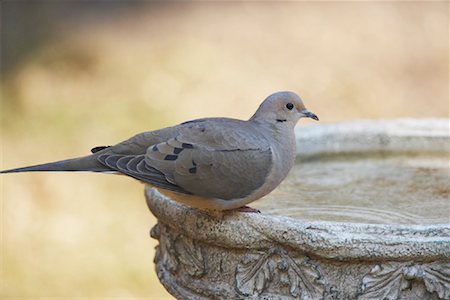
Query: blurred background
78	74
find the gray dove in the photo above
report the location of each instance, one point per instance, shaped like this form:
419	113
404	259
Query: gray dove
210	163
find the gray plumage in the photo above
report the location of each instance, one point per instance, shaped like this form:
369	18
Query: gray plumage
215	163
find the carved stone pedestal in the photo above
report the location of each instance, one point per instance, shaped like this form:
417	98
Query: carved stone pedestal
239	255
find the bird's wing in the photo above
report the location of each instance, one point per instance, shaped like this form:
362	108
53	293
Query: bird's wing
136	167
225	159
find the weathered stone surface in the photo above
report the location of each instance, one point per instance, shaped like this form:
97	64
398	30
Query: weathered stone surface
205	255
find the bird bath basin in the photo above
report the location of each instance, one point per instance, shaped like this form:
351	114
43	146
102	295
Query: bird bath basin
364	214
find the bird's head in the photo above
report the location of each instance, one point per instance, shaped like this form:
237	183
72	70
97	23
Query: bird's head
282	107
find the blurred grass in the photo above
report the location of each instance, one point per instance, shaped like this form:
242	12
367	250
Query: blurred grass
99	81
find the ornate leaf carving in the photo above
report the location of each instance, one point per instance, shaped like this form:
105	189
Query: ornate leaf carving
437	279
383	282
190	255
254	273
175	251
303	278
165	252
258	271
387	281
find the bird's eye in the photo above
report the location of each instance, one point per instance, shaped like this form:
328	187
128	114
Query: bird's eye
290	106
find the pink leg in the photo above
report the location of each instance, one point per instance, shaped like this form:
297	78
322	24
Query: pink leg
246	208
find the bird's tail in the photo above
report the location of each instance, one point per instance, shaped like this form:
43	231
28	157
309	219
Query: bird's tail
86	163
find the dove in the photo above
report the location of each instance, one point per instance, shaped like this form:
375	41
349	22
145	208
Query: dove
210	163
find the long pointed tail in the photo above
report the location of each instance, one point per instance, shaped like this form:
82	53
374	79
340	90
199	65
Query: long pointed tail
86	163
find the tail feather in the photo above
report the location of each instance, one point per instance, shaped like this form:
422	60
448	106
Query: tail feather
86	163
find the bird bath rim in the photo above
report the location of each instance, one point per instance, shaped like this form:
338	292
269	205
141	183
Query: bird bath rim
330	240
396	135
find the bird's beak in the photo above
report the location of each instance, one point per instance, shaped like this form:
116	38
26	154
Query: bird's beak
308	114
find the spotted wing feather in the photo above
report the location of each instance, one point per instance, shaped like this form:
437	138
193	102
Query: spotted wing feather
136	167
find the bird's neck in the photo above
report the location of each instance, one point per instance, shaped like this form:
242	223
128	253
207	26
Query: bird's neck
283	150
283	136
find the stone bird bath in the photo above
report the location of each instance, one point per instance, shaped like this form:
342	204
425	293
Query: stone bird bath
364	214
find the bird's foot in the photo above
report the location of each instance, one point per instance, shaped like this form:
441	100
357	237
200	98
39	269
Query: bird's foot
246	208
